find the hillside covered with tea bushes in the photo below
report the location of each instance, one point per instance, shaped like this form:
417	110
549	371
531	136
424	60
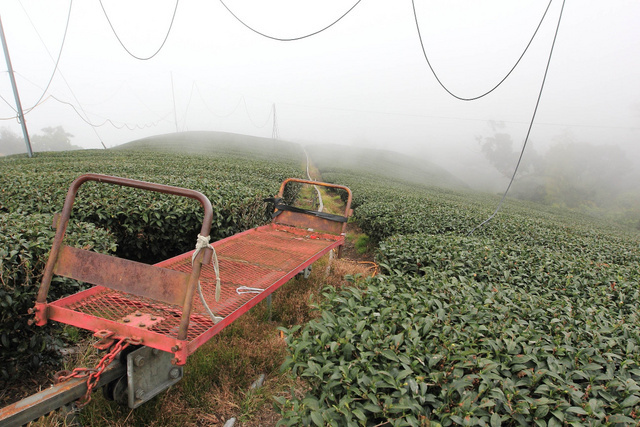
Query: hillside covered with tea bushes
530	320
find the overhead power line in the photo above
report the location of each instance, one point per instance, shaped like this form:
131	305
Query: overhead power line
526	139
56	68
462	98
93	128
242	100
292	38
127	50
107	120
186	110
246	109
57	61
10	106
133	92
86	120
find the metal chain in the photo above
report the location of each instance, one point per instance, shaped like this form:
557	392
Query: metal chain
62	376
94	377
93	374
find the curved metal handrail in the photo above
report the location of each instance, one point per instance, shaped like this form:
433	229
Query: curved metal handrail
125	182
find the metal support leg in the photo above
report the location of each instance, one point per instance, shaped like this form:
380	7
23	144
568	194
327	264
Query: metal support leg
269	306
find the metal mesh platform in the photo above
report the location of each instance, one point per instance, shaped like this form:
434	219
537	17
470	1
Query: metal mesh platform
157	305
263	258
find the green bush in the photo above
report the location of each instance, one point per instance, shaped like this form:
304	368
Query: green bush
25	242
407	349
149	227
531	320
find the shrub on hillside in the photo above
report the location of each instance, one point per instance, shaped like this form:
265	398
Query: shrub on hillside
25	241
407	350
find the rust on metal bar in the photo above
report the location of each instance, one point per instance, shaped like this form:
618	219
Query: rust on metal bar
68	206
140	279
306	221
188	300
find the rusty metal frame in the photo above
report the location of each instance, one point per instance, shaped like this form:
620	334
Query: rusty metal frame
41	309
59	311
107	273
87	266
308	221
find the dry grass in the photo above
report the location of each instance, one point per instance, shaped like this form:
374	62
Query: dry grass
307	198
58	418
332	201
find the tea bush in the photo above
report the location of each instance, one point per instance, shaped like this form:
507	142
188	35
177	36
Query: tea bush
25	241
407	349
148	226
531	320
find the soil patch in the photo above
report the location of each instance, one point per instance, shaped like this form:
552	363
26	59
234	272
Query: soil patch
27	384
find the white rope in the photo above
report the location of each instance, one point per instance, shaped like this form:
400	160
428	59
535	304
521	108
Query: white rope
247	290
215	318
203	242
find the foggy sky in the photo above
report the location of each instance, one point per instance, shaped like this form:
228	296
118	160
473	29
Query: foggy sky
362	82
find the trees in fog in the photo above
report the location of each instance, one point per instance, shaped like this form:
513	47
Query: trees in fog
599	179
50	139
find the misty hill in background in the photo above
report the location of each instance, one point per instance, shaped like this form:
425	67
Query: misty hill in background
327	157
339	158
209	143
592	184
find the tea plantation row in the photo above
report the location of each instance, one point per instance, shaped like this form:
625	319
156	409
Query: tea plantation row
531	320
131	223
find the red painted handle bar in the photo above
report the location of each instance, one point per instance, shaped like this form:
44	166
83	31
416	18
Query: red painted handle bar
125	182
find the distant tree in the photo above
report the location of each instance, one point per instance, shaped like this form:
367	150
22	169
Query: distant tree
575	175
10	143
586	175
499	151
53	139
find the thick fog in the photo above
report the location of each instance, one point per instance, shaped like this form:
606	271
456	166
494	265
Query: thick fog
361	82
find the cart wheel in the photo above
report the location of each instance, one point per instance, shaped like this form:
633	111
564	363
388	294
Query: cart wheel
116	390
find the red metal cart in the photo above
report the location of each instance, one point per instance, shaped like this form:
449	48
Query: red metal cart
160	306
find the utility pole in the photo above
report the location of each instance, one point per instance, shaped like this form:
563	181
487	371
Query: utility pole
27	141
